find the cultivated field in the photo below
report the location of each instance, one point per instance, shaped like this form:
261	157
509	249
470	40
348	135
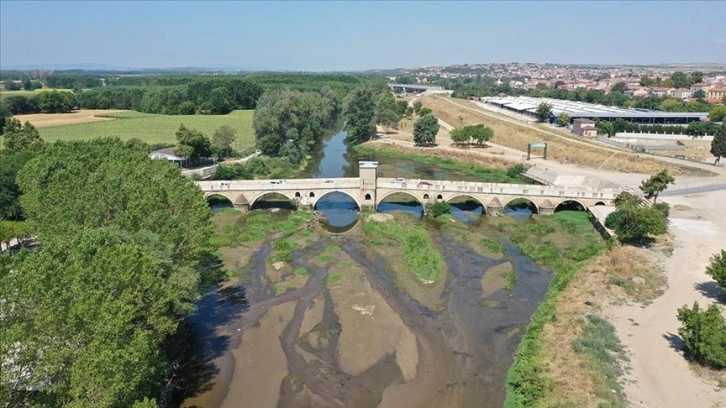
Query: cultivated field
564	149
150	128
43	120
4	94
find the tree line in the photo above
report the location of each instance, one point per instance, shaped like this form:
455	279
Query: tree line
125	240
620	125
290	123
45	102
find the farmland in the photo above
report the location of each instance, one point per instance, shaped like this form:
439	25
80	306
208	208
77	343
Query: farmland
151	128
5	94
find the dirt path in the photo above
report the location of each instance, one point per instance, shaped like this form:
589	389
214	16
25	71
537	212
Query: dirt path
660	375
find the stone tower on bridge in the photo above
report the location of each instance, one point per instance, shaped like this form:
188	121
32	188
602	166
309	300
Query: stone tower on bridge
368	173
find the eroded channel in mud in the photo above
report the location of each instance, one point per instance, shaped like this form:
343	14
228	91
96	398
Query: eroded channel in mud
354	333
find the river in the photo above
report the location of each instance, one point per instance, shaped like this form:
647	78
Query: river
354	331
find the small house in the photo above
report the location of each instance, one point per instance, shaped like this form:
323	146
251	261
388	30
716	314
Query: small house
584	127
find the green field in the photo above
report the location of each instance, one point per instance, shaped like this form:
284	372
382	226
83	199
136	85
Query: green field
153	128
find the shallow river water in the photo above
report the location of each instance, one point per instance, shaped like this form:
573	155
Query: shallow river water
353	332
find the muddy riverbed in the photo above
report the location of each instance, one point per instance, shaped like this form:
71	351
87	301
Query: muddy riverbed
343	324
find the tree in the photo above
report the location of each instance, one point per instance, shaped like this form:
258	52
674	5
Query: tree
223	138
626	199
543	112
605	127
718	144
123	238
717	113
387	110
619	87
656	184
192	144
478	133
10	164
424	111
417	107
12	86
563	119
646	81
699	94
717	269
704	334
696	77
27	84
425	130
635	223
360	114
680	80
17	137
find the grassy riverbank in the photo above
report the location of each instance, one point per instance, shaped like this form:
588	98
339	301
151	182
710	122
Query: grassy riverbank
493	172
564	243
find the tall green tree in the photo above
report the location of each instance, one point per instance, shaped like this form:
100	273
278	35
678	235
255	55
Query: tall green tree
656	184
123	238
10	165
717	269
192	144
680	80
387	110
543	112
718	144
17	137
717	113
360	114
477	133
223	138
619	87
425	130
696	77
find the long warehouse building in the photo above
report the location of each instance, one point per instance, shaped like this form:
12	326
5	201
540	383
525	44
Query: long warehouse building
527	105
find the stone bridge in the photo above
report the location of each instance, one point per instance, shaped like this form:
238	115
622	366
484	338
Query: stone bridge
368	191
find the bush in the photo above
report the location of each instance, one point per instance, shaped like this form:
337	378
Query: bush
717	269
704	334
665	208
440	208
634	223
516	170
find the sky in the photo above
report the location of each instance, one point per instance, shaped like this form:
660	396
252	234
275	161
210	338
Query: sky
349	36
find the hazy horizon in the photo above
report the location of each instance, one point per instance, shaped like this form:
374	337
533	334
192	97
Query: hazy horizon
332	36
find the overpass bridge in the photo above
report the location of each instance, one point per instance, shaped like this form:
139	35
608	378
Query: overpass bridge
368	191
414	87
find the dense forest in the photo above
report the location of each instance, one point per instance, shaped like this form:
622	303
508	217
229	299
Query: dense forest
125	239
182	94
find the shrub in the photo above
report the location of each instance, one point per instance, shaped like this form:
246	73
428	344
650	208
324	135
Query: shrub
717	269
440	208
665	208
704	334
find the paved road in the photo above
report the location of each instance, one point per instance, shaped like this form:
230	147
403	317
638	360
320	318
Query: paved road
694	190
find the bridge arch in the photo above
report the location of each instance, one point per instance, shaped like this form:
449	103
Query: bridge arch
315	203
259	196
520	198
569	201
418	199
467	196
235	199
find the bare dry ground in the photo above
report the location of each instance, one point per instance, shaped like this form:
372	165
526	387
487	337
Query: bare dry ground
43	120
567	150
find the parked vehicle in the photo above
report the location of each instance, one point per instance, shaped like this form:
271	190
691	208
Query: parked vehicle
399	180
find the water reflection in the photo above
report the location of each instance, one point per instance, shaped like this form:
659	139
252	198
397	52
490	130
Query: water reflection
412	208
467	212
339	209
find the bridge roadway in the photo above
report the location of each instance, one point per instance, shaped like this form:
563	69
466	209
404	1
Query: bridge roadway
416	87
369	192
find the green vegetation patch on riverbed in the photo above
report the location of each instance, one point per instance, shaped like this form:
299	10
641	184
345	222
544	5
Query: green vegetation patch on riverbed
421	255
564	243
488	175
